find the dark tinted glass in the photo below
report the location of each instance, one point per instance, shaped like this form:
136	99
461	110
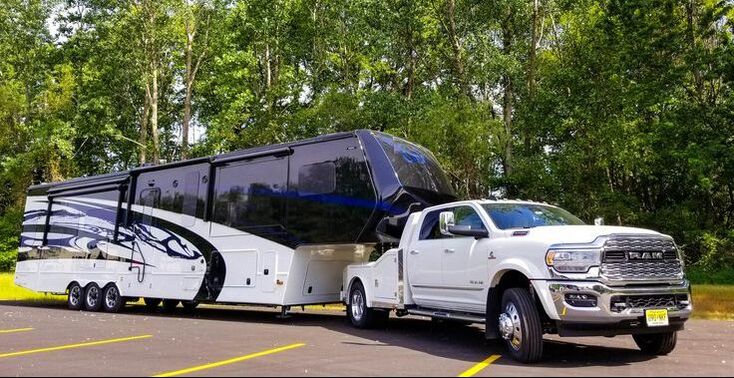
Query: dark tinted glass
331	196
250	196
317	178
180	190
415	166
508	216
463	216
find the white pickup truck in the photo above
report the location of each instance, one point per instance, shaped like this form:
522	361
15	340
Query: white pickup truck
526	269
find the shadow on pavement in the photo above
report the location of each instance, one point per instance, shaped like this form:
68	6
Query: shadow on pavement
441	339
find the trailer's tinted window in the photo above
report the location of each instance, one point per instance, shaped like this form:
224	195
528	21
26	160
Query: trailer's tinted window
250	196
332	196
319	178
180	191
415	166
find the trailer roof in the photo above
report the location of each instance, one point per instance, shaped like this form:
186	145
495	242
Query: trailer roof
221	158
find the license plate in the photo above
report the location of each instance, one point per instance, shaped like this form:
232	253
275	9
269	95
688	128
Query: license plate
657	318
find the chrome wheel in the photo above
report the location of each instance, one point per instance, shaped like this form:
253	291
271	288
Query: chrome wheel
92	296
510	326
112	297
75	295
358	305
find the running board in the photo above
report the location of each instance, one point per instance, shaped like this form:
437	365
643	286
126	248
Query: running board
447	315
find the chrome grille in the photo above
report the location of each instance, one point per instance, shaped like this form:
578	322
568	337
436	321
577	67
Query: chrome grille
618	266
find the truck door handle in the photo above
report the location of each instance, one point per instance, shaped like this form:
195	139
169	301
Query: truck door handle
449	250
414	252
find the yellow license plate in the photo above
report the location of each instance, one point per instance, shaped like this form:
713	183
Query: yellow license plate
657	318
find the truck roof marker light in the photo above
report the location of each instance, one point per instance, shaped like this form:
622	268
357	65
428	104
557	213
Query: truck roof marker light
521	233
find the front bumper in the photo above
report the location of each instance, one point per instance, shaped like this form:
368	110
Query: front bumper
604	315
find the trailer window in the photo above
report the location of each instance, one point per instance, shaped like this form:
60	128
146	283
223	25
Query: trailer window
250	196
317	178
80	222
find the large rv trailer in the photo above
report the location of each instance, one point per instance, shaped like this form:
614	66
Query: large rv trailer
274	225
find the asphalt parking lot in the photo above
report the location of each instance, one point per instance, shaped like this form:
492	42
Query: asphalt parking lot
50	340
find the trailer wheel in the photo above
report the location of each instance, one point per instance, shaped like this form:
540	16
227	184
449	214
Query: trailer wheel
76	297
151	304
169	305
111	300
658	344
359	314
93	297
520	326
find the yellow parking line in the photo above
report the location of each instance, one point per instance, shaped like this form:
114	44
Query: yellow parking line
15	330
480	366
73	346
229	362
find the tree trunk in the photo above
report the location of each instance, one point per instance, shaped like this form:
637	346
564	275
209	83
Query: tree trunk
456	47
507	101
533	49
142	152
154	118
189	87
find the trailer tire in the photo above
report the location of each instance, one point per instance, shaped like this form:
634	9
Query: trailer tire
169	305
112	301
93	297
520	326
151	304
659	344
75	298
359	314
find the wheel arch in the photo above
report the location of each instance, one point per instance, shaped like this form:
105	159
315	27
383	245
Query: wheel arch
505	279
367	292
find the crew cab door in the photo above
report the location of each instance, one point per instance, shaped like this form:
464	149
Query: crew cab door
424	259
464	263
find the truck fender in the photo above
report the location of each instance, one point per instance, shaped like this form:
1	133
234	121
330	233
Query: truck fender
367	290
494	296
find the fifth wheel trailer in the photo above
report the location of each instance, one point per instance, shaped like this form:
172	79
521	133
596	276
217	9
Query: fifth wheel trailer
273	225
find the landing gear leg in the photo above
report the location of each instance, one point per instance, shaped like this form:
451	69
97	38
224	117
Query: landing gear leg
284	312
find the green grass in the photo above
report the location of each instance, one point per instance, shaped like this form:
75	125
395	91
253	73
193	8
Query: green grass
709	301
10	292
713	302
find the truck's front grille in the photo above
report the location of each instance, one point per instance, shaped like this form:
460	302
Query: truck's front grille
646	302
641	259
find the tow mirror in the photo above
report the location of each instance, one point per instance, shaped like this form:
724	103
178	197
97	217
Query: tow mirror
468	231
446	221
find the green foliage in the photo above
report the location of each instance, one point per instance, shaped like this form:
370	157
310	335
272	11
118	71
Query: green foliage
620	109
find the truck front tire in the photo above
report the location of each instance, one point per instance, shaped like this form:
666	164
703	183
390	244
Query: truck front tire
359	314
520	326
658	344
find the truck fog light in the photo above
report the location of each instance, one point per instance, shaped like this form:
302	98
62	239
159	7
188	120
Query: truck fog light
581	300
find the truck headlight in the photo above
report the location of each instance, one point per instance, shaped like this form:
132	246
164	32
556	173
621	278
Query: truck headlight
573	261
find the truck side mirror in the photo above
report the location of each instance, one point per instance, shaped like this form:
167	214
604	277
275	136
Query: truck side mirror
446	221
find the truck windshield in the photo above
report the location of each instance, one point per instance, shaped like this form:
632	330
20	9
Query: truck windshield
508	216
416	167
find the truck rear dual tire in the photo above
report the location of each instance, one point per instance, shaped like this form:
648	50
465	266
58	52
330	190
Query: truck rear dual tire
520	326
359	314
659	344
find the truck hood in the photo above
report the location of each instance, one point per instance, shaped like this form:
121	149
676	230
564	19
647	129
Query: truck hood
578	234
